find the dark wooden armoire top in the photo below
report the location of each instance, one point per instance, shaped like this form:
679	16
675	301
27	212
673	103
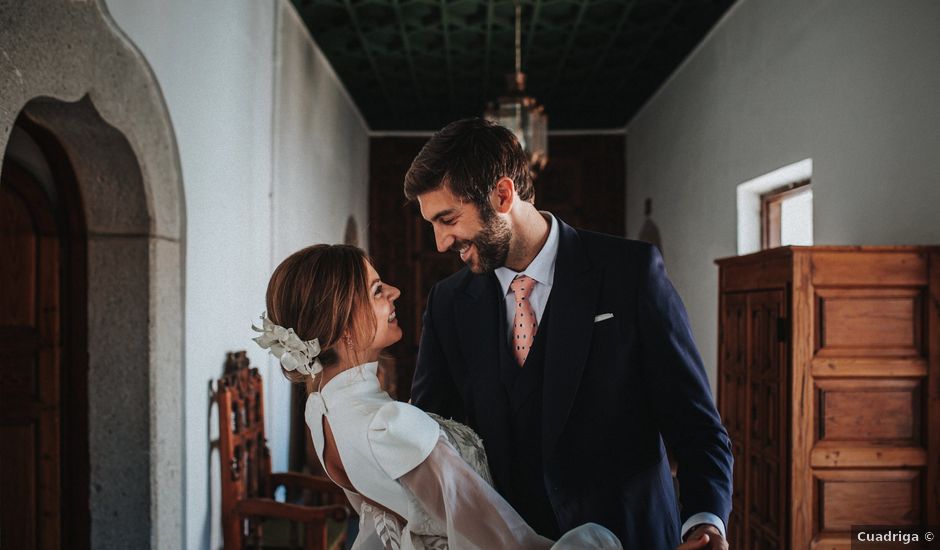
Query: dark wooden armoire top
829	266
789	250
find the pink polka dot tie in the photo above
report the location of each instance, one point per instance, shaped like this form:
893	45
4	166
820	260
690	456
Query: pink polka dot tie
524	323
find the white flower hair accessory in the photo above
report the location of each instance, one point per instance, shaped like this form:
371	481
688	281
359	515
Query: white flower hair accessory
283	343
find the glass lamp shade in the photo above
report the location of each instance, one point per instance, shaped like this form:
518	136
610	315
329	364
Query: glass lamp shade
525	118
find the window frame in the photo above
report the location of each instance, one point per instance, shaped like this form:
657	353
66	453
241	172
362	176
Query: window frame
770	211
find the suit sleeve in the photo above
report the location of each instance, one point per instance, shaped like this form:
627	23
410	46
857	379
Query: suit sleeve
680	395
432	388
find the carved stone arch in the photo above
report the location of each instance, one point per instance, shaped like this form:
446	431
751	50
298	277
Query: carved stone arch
76	79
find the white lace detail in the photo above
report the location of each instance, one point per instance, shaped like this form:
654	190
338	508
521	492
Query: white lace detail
468	444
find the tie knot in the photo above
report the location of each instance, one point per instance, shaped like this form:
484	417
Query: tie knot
521	286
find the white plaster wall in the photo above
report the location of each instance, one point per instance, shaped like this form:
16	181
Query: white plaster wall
321	163
274	157
852	84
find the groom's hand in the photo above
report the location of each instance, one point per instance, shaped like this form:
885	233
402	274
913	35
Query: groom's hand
715	540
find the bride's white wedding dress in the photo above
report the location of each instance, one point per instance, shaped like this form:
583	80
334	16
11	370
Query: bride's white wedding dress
420	482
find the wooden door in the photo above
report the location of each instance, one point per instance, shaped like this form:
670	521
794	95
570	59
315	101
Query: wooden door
29	365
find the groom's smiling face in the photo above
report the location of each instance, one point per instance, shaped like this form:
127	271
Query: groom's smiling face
481	240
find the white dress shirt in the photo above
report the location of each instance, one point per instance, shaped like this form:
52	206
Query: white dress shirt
542	270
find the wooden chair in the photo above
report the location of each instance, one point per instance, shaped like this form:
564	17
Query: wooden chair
248	486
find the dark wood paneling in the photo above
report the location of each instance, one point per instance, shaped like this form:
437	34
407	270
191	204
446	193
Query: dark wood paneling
583	184
401	245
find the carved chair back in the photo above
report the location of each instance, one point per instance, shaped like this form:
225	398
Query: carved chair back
243	449
248	484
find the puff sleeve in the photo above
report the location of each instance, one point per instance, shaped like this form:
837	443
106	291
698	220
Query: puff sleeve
401	437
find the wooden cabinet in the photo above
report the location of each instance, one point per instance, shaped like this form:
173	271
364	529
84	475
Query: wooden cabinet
829	385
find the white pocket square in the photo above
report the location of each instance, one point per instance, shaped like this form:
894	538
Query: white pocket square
603	317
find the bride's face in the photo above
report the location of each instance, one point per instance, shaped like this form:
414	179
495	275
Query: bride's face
383	296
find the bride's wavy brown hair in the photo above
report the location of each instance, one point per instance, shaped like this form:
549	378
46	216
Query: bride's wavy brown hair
322	292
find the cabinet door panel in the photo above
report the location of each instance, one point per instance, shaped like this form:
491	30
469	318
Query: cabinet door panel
873	410
868	322
733	404
868	497
767	445
752	377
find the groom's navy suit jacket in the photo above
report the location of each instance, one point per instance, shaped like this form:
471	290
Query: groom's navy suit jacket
613	390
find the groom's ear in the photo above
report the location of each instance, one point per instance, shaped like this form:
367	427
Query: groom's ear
503	195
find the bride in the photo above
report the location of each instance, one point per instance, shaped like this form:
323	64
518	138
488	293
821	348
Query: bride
416	480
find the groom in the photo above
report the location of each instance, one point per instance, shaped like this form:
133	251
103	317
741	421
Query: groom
568	351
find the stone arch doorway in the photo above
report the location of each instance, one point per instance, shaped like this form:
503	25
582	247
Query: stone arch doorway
90	103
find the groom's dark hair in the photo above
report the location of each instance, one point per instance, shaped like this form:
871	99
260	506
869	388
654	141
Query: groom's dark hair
469	156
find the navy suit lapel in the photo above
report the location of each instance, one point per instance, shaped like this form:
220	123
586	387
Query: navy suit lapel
477	314
476	310
571	322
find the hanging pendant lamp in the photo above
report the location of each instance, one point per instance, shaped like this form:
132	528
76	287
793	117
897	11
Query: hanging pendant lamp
520	112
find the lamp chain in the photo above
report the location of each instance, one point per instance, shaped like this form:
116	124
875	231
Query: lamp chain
518	38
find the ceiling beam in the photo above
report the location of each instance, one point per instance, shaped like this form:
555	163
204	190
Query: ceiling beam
354	19
488	50
624	16
536	11
450	72
407	43
614	97
550	91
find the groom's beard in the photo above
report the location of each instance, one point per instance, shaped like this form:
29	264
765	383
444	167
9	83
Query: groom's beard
492	243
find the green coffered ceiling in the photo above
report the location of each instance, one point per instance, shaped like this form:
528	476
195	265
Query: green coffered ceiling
418	64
